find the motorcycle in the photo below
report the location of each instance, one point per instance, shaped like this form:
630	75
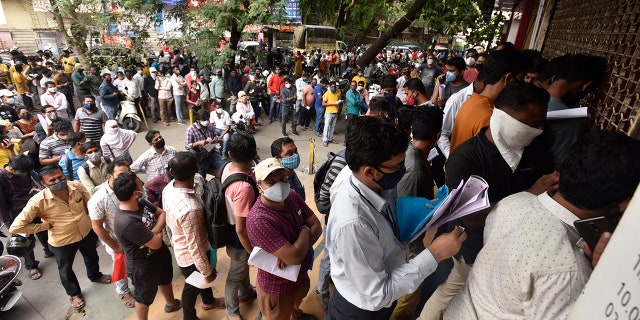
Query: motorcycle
127	116
9	270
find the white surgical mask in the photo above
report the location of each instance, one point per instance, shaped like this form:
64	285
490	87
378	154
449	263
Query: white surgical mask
193	74
11	101
94	156
140	72
429	61
511	136
204	123
470	61
52	89
278	192
64	137
360	88
288	85
219	111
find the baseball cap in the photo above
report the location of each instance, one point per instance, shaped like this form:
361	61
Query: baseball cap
266	167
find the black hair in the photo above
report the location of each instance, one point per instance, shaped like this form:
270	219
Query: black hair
62	126
507	46
276	146
601	170
483	54
371	142
116	163
20	108
517	95
50	82
457	62
324	81
22	163
427	122
501	62
379	104
474	52
531	54
583	67
150	134
389	82
48	169
90	97
75	137
537	65
125	185
241	147
415	84
48	106
90	144
202	114
184	165
405	118
552	68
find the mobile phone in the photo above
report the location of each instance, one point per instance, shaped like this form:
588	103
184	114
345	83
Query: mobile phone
592	229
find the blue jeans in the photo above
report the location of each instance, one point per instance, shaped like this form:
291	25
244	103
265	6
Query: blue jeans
274	107
325	270
225	138
319	116
110	111
179	99
329	126
213	160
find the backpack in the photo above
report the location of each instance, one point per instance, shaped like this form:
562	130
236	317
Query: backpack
84	166
318	179
219	230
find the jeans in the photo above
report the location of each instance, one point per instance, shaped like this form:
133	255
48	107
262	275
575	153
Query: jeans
110	111
237	284
179	99
288	113
325	270
190	294
153	105
329	125
30	261
319	117
122	285
213	160
225	138
274	107
65	256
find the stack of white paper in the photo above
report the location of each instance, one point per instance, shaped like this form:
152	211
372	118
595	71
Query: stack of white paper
265	261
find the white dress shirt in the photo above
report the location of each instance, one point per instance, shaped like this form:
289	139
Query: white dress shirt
531	266
103	205
130	88
369	266
153	163
177	83
58	101
451	108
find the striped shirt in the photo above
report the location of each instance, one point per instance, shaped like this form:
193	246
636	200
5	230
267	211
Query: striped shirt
91	124
185	218
153	163
75	164
52	147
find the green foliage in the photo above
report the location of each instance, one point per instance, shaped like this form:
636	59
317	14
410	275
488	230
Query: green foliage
487	29
447	17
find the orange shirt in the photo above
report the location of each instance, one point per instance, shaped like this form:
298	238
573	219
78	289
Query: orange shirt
473	115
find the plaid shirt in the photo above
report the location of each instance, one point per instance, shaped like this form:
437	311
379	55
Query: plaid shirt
196	133
185	218
153	163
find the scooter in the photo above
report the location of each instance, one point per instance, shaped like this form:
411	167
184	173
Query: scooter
9	270
127	116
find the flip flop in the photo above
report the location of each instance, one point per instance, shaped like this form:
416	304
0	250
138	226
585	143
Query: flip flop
77	302
35	274
218	303
177	306
104	279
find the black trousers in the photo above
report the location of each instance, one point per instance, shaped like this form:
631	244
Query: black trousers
190	294
65	256
340	308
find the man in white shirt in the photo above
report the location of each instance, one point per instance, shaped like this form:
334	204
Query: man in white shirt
154	161
177	83
54	98
451	108
130	88
222	121
370	267
532	265
118	80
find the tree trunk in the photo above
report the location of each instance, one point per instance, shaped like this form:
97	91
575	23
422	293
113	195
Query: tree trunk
372	24
397	28
77	44
341	14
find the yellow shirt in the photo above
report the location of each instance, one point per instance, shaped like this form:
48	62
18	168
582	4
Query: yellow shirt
67	223
4	68
330	97
358	79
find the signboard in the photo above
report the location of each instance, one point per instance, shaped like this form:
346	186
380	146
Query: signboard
292	11
613	290
443	40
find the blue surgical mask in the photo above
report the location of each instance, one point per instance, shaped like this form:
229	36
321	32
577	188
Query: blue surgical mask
291	162
333	89
450	77
11	100
390	96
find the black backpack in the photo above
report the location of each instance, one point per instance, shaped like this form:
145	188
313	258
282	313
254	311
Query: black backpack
219	230
318	179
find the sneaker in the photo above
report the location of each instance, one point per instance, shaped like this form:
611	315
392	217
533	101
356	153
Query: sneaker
181	123
323	298
296	133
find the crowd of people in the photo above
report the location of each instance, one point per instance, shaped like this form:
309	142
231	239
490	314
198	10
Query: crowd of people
71	180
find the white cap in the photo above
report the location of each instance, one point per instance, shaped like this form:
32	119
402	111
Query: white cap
241	94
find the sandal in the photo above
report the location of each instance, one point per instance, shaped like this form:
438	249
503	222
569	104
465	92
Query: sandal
104	279
334	141
35	274
77	302
128	300
218	303
177	306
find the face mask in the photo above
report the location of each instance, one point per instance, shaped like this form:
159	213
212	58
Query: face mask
63	137
287	85
11	100
390	96
26	116
360	88
62	185
334	89
9	135
291	162
409	101
204	123
277	71
429	61
94	156
193	74
159	144
278	192
390	180
52	89
450	77
154	75
313	84
511	136
470	61
219	111
90	106
52	116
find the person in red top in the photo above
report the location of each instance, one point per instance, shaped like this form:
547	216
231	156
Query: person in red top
282	224
275	84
